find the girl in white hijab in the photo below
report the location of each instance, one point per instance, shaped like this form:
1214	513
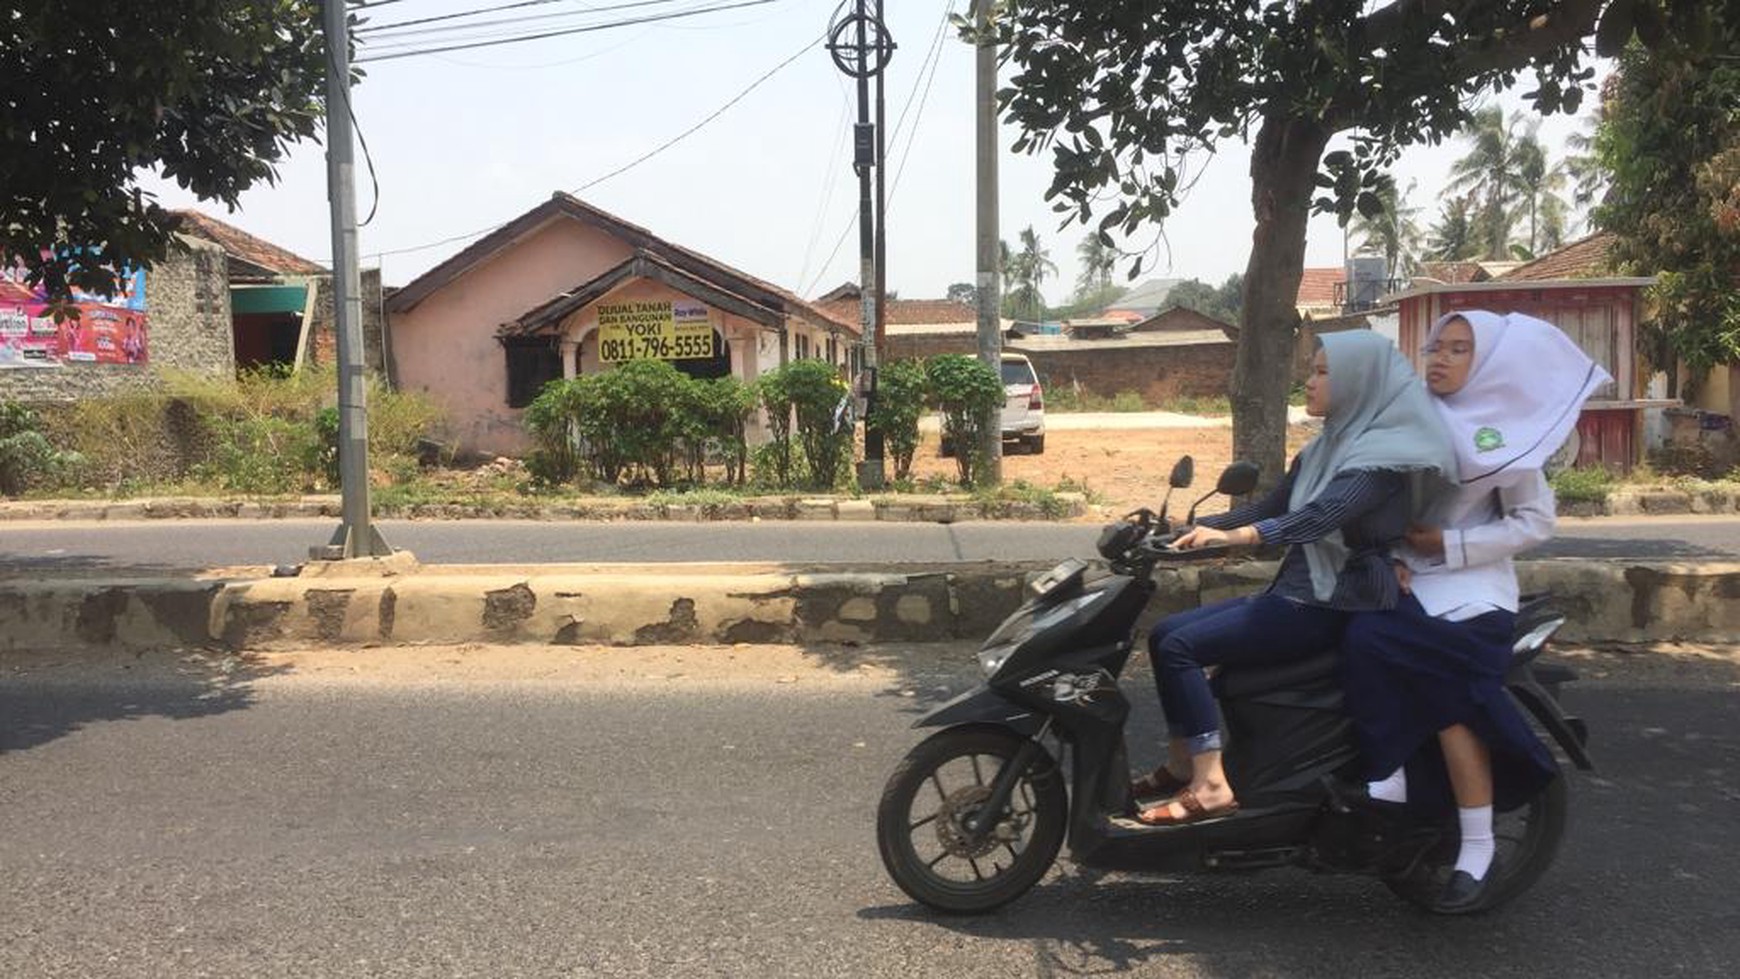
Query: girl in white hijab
1348	496
1430	673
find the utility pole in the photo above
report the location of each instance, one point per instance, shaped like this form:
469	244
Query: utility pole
356	537
990	291
861	47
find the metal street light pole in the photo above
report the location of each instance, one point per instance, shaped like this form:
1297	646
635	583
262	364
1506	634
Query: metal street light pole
861	47
356	536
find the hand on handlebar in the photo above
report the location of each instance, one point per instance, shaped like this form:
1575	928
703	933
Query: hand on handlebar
1197	537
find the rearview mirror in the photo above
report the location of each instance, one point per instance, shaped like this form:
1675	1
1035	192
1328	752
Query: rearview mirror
1238	479
1183	472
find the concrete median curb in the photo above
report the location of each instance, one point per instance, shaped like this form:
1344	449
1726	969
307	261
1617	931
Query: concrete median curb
928	508
345	604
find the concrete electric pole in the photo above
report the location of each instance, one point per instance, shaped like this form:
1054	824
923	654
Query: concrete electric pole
356	536
990	287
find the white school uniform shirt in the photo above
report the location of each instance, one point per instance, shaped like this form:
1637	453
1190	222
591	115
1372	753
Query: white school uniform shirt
1485	524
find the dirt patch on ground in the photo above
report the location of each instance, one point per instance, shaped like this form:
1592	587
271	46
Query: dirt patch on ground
1121	469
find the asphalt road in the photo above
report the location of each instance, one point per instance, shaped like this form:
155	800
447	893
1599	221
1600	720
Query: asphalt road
648	819
150	547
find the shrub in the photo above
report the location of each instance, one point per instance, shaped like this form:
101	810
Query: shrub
901	393
1582	485
25	453
965	390
819	401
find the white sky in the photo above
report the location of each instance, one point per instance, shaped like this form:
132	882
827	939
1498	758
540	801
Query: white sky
467	140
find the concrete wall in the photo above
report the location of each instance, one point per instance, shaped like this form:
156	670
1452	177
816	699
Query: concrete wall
187	302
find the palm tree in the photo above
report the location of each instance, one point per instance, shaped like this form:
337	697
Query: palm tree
1097	261
1027	270
1393	232
1452	238
1490	172
1538	183
1582	166
1038	260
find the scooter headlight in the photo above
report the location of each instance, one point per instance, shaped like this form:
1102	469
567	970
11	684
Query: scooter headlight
992	659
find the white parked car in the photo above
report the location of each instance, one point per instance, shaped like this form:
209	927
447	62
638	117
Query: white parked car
1023	404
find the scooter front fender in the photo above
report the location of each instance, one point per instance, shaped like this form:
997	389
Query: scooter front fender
982	705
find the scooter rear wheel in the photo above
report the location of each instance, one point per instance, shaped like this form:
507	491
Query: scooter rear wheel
920	827
1528	839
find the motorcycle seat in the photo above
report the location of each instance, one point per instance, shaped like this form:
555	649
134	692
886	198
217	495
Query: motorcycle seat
1240	682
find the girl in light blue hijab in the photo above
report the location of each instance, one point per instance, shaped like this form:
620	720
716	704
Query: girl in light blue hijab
1350	494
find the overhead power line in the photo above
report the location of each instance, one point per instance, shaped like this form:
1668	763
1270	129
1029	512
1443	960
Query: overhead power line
396	25
667	144
625	22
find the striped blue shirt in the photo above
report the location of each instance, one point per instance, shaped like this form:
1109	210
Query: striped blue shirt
1369	507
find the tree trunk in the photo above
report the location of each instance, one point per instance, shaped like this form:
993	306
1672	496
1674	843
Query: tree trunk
1283	166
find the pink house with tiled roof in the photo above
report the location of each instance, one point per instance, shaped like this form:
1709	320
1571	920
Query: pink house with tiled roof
551	293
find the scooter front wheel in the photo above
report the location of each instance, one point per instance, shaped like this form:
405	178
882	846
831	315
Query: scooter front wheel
921	822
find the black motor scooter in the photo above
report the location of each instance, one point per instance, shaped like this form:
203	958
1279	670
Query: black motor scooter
975	814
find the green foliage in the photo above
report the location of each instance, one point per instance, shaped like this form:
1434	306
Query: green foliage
1670	139
260	455
726	405
901	394
25	453
966	391
819	401
211	429
1582	485
209	93
774	464
630	423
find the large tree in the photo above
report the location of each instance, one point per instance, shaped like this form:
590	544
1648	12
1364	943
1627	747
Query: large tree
1123	91
1670	140
1097	261
1491	173
209	93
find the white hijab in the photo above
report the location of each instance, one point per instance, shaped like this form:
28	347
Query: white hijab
1525	388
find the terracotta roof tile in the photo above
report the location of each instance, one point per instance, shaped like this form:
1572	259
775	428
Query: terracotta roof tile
908	312
1317	287
1584	258
239	244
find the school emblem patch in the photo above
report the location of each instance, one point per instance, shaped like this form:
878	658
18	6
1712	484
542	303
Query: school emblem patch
1487	439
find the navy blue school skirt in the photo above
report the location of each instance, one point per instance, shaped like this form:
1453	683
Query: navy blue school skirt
1407	676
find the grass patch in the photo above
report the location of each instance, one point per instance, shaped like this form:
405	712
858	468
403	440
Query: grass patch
1582	485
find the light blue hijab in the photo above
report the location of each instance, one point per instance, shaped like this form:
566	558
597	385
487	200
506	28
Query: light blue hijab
1380	417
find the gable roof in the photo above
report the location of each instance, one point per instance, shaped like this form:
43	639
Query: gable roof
562	206
1317	287
1149	295
250	257
1584	258
641	265
1182	319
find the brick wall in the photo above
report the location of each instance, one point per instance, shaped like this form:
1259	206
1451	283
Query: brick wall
924	345
187	302
1158	373
323	336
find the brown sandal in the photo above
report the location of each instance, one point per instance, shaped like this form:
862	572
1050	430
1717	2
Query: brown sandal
1194	811
1159	783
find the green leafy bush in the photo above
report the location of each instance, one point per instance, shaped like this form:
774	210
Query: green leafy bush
964	389
824	430
1589	485
901	394
25	453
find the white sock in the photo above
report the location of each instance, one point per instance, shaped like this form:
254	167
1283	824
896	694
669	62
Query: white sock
1478	846
1391	788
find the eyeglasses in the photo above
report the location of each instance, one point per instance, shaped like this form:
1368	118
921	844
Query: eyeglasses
1457	349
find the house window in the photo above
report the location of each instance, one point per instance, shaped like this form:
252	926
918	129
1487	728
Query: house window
532	362
803	346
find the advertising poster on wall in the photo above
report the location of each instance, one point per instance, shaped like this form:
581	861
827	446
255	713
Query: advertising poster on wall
666	330
108	329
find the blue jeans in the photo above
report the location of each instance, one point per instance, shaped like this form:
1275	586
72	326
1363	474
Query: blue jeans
1254	630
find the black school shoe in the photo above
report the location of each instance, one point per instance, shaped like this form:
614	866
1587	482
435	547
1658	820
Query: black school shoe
1462	894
